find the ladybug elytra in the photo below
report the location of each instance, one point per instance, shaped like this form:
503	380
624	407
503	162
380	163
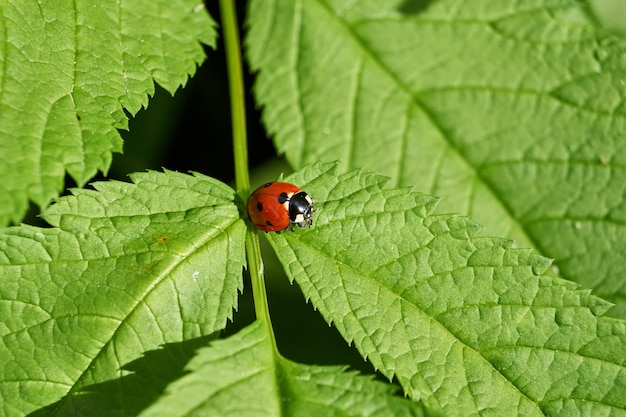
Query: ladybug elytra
276	206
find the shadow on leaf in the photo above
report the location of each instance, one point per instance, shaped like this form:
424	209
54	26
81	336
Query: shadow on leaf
413	7
130	394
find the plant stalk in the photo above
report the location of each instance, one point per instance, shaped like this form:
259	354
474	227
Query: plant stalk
240	150
237	98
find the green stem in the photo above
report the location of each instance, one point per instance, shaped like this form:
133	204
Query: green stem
257	278
237	100
240	149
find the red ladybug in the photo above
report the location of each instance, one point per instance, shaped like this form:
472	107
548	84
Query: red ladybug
277	206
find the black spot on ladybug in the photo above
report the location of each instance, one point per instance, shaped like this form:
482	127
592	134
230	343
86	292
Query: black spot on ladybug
283	198
267	184
269	223
259	206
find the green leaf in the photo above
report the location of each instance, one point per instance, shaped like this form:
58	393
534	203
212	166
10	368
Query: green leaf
470	325
125	269
244	376
67	71
513	112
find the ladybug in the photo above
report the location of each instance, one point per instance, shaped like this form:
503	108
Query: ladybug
277	206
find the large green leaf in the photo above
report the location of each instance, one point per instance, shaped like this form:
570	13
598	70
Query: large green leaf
470	325
67	68
513	112
124	270
244	376
100	311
